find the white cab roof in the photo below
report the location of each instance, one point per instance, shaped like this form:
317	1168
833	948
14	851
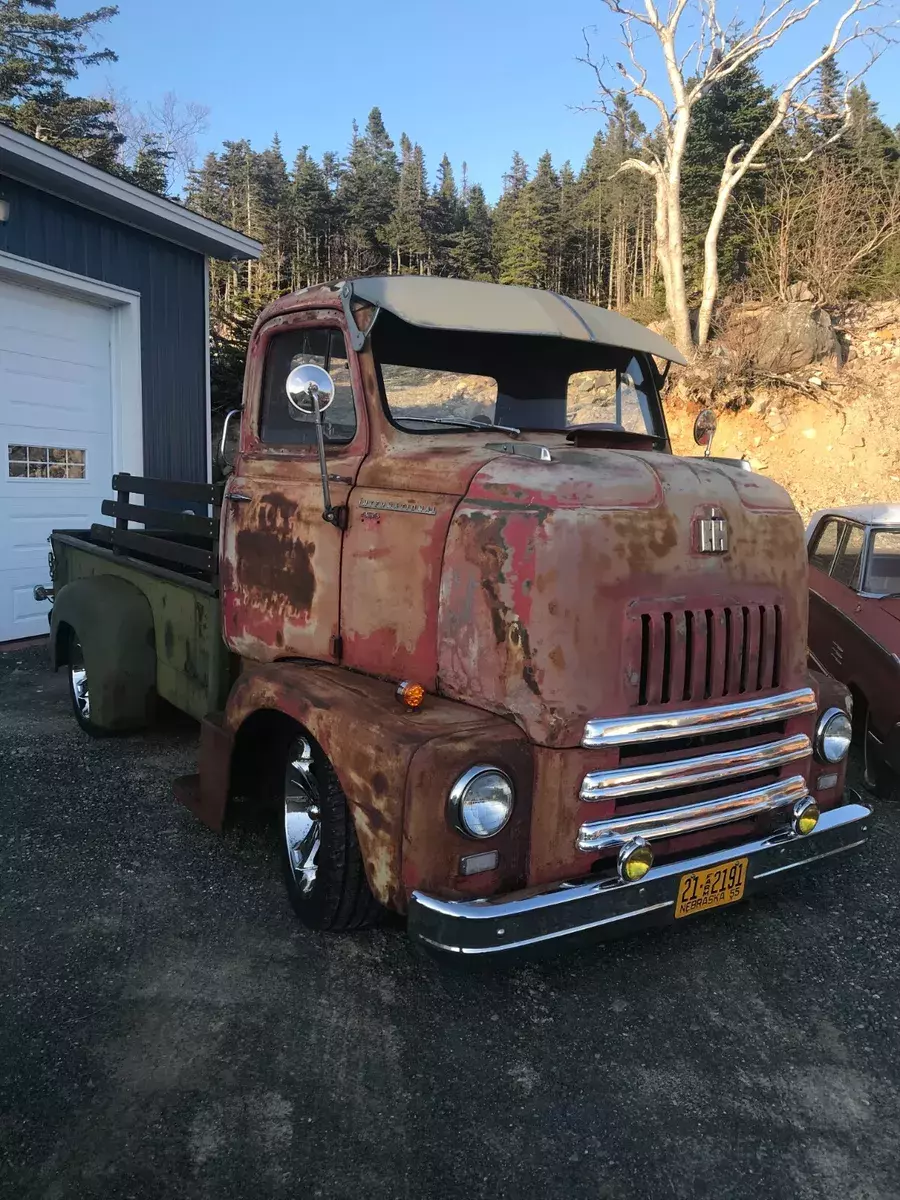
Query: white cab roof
865	514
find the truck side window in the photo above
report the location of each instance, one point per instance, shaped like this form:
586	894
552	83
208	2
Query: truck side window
824	545
610	397
847	564
281	425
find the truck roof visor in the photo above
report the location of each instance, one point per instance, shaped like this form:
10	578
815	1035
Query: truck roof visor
464	305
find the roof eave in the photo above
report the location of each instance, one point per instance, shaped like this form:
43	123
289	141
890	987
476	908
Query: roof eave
35	163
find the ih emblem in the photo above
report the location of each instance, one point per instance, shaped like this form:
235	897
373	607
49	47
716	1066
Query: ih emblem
711	533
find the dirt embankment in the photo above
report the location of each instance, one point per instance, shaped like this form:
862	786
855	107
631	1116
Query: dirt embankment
832	435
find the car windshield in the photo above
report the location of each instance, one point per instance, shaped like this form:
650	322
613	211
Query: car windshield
433	378
883	568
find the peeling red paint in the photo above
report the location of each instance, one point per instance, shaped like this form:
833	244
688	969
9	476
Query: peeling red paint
516	592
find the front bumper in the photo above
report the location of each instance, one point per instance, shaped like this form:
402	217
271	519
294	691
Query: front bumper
612	909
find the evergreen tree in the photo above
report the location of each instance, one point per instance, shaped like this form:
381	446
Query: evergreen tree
471	254
524	258
41	52
736	110
874	143
151	166
310	221
368	189
545	190
407	226
514	182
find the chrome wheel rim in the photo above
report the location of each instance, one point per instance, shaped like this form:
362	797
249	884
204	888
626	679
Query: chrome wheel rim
302	815
78	682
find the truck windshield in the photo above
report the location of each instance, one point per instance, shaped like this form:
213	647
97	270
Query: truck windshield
531	383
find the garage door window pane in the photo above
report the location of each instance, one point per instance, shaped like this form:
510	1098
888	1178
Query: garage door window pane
45	462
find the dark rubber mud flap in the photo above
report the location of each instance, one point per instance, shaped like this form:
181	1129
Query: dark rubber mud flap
206	793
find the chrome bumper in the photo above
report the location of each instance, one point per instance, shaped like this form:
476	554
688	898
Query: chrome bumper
611	909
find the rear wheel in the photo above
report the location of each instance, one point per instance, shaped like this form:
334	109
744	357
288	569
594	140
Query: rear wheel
79	688
322	862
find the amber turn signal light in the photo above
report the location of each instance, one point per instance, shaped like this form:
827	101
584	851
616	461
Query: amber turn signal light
410	694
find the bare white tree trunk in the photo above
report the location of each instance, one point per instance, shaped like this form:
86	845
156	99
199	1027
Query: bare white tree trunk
715	52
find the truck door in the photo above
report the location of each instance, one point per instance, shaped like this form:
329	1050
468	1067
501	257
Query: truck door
281	561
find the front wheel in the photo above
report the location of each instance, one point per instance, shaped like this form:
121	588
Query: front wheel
322	862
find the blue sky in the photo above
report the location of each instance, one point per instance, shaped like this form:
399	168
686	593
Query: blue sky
475	78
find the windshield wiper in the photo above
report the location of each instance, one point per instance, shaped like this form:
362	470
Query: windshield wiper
462	423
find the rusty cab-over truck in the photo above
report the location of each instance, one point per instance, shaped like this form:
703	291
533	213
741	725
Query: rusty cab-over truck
506	663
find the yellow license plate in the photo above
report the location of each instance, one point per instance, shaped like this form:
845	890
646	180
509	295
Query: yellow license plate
700	890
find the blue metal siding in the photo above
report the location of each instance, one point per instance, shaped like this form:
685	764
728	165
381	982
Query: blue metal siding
170	280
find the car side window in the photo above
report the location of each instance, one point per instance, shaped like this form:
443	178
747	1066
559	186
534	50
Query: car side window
824	545
849	558
883	571
280	424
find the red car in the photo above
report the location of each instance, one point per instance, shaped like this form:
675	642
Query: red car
854	623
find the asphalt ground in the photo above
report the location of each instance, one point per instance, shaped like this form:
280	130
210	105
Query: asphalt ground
167	1029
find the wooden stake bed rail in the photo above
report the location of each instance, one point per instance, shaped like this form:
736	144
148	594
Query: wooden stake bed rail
184	539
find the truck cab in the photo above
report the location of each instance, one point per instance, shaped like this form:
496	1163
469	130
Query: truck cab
506	664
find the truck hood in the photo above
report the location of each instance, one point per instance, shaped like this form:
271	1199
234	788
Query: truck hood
578	588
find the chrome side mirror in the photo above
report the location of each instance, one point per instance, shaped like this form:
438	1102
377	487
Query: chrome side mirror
310	390
222	458
705	429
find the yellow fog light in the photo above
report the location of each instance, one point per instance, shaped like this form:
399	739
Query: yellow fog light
635	860
806	815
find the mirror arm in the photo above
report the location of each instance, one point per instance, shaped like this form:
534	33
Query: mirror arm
334	514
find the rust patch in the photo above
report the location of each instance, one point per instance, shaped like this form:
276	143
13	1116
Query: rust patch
278	563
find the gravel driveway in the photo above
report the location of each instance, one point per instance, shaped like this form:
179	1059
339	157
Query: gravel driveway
167	1029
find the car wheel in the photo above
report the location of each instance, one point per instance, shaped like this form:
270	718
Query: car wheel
79	689
322	862
878	775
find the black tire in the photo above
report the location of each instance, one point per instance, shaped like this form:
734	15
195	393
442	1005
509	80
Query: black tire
79	692
323	869
878	775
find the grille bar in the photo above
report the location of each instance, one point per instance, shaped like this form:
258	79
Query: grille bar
672	822
692	772
705	653
691	722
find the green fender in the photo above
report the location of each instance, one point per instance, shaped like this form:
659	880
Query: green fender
113	622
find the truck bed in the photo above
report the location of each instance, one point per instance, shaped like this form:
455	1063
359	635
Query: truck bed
173	562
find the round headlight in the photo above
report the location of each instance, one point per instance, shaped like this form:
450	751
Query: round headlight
833	735
481	801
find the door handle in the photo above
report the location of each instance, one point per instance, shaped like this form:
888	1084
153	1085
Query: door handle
238	497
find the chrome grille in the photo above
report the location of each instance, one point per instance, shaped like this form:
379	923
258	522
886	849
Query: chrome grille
623	782
695	654
686	784
690	818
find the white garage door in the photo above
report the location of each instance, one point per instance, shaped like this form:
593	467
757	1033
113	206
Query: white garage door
56	437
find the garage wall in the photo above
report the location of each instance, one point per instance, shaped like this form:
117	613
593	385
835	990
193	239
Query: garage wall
170	280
